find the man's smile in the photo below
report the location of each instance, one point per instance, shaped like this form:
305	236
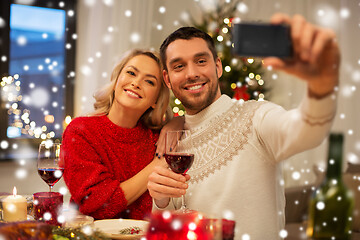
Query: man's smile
195	87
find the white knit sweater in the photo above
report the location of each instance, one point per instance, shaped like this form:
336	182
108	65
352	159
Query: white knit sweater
237	146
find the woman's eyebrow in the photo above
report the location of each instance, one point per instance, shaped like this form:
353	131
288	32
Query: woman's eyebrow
137	70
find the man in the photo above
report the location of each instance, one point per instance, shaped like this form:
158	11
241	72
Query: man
237	145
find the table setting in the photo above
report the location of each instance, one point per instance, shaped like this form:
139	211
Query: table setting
49	220
43	215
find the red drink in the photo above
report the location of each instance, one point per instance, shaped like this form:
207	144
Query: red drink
179	162
51	175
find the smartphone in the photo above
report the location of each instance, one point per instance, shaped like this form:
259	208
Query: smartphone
262	40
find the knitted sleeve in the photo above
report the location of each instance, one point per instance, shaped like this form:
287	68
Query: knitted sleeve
87	179
285	133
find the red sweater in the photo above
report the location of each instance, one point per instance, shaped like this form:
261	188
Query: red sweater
98	156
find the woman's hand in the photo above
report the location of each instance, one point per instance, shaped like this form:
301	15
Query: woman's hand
177	123
135	186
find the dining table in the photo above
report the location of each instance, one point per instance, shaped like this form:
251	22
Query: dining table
295	231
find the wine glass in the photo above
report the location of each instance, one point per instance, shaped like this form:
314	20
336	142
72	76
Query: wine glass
177	155
48	163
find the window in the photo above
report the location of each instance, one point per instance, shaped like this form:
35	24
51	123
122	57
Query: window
37	74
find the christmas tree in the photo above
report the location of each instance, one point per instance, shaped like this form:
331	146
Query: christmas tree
242	77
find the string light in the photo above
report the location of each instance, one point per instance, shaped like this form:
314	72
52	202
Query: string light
67	119
250	60
177	101
11	86
234	61
176	109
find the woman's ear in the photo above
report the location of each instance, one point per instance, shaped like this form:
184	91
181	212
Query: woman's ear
153	106
166	79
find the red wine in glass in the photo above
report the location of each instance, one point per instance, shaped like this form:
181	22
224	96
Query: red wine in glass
51	175
178	155
179	162
50	168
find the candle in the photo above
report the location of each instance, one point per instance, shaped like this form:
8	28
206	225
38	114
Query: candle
14	208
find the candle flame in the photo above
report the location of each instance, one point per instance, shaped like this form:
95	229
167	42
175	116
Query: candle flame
14	191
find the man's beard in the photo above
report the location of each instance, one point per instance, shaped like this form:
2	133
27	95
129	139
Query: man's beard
196	104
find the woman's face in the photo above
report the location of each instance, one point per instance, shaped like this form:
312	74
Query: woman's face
138	84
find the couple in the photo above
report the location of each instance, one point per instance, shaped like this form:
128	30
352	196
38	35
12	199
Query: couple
110	159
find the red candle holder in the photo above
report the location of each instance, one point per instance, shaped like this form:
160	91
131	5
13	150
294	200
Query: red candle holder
228	229
47	207
172	225
168	225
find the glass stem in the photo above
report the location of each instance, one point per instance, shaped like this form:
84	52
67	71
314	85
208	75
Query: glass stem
50	188
183	205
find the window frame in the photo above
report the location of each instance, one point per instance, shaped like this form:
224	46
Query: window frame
69	80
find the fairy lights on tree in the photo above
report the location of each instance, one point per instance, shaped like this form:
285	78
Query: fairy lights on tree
242	77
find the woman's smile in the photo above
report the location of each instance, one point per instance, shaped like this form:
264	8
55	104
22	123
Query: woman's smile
132	94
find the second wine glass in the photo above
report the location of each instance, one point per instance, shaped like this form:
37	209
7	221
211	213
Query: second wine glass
49	166
178	145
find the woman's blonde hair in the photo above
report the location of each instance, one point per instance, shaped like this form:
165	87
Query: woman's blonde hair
153	118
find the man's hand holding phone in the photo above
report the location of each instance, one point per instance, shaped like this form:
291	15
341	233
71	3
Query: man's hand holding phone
262	40
315	55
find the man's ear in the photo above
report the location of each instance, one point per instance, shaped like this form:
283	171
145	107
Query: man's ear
219	69
166	79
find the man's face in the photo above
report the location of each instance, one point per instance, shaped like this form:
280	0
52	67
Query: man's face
192	73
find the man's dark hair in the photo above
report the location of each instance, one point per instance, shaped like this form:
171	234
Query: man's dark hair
186	33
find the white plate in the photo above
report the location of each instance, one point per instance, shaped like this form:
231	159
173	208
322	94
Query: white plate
111	227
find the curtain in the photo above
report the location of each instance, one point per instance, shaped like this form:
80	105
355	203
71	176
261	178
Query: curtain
106	30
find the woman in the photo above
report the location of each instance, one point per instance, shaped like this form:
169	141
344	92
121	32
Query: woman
109	155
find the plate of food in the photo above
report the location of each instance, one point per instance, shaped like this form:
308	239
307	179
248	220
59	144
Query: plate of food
122	228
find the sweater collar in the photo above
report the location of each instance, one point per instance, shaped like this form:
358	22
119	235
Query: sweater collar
127	134
202	118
